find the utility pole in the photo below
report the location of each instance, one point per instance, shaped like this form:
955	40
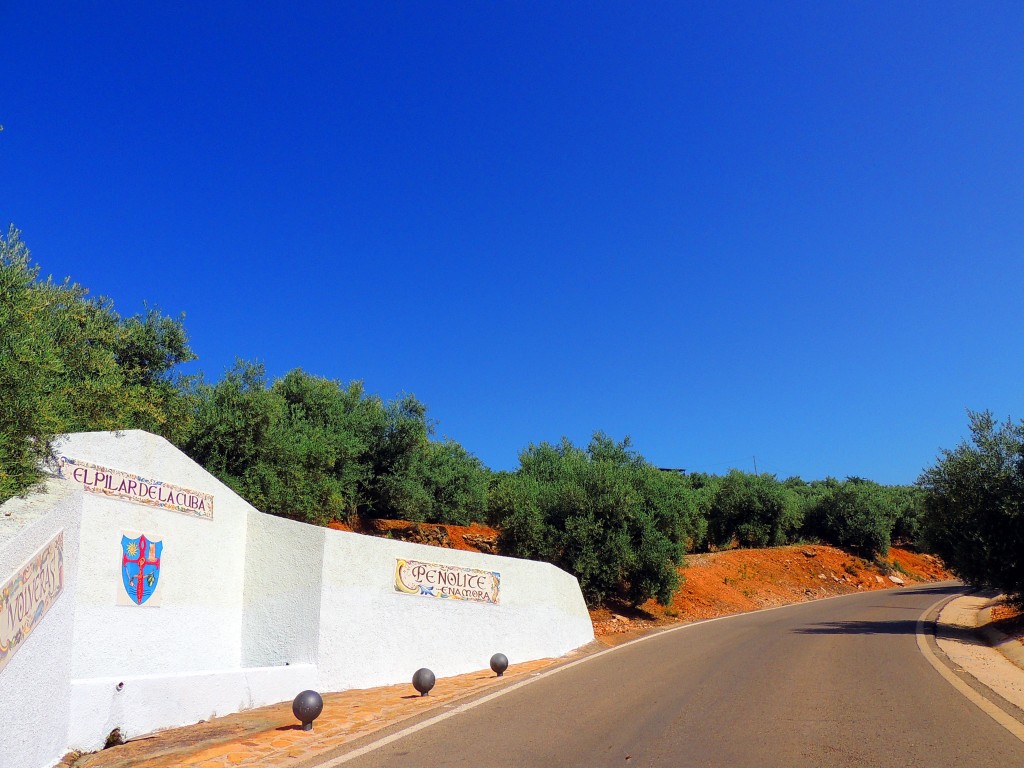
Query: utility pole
755	465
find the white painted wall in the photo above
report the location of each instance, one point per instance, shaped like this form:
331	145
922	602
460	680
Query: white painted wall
197	626
281	602
35	685
252	609
372	635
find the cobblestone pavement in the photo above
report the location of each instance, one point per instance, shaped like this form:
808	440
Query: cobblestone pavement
270	736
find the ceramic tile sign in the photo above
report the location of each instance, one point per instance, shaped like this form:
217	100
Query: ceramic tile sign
28	595
140	569
413	577
140	490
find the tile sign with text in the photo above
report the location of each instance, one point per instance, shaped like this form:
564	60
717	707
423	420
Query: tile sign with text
28	595
413	577
121	485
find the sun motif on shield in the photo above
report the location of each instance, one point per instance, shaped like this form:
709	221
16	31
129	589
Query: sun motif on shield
140	567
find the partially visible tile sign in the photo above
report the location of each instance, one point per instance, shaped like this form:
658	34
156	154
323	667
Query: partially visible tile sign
413	577
28	595
121	485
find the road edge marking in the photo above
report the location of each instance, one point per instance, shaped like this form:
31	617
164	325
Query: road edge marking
1009	723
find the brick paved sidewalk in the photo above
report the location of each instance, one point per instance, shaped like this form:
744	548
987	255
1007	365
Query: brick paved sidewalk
270	736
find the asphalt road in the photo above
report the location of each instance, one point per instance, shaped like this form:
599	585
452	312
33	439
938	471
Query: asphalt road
838	682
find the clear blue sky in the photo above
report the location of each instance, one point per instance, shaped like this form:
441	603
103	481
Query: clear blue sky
785	230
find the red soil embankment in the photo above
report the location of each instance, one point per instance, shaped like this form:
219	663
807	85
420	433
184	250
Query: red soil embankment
738	580
470	538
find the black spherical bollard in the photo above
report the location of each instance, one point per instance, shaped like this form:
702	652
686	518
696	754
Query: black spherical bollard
307	707
423	681
499	663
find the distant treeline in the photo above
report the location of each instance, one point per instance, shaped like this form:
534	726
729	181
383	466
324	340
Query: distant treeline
316	449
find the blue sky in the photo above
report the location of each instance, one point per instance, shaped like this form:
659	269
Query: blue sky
790	231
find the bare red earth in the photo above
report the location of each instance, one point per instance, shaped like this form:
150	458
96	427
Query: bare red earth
470	538
738	580
1009	619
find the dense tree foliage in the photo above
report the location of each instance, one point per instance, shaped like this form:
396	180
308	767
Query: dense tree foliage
29	421
452	485
974	505
856	514
753	510
602	513
69	362
905	506
853	515
316	450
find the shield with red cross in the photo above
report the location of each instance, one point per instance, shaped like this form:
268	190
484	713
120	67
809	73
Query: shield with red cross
140	567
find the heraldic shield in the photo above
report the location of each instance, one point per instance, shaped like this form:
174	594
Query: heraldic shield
140	567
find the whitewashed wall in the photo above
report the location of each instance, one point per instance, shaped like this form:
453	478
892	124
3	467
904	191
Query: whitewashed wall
250	609
140	668
197	626
35	685
371	635
284	563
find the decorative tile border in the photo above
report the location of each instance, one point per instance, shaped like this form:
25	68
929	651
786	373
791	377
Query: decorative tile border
414	577
28	595
140	490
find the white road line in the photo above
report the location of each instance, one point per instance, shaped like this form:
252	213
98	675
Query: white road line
972	695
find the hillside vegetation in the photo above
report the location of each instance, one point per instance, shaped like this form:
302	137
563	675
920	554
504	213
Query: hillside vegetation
318	450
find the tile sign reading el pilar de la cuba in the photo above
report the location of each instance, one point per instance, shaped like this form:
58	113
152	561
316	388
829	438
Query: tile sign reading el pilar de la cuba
122	485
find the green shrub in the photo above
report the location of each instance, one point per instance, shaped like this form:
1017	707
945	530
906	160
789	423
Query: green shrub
906	507
753	510
853	515
603	514
70	363
317	450
974	506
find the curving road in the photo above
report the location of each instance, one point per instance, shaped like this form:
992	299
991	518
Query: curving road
838	682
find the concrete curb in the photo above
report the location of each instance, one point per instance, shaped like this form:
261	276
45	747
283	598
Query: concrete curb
1010	648
959	666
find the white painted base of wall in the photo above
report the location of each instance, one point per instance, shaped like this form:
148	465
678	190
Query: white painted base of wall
147	703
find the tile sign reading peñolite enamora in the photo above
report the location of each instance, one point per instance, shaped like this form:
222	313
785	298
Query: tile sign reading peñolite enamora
413	577
28	595
121	485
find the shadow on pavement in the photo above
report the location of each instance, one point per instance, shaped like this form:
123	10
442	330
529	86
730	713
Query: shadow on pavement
896	627
946	589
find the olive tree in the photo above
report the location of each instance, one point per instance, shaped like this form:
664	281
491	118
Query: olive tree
69	362
602	513
974	505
